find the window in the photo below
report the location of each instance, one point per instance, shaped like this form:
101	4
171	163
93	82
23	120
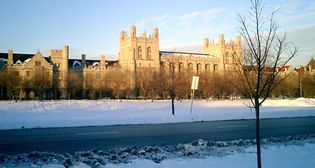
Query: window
16	73
134	53
190	67
207	67
181	67
198	68
28	73
149	53
215	68
227	58
172	67
38	63
139	53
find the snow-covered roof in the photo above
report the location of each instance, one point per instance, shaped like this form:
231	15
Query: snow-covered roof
27	60
96	64
76	63
18	62
3	60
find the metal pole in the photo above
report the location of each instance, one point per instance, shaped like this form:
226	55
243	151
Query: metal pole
192	98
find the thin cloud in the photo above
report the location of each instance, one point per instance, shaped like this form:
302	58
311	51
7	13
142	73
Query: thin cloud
294	18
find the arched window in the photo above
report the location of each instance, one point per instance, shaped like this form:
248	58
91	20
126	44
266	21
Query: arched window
207	67
234	58
215	67
149	53
181	67
227	58
198	68
139	52
172	67
190	67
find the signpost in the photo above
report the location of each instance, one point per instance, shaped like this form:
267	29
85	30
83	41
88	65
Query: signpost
194	86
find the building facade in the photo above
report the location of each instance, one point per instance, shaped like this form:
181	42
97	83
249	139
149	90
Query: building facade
136	53
142	52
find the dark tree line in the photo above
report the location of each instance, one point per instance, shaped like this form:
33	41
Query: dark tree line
116	84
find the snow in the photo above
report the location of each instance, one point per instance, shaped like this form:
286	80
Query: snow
36	114
289	152
272	157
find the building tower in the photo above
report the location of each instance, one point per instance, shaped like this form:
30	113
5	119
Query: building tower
139	53
224	52
59	58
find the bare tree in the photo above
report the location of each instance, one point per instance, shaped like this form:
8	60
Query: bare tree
144	81
265	52
74	83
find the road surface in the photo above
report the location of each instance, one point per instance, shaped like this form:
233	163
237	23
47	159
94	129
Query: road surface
106	137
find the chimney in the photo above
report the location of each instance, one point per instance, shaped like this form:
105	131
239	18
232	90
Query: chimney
238	40
83	61
205	42
155	33
10	57
144	35
221	39
103	62
133	31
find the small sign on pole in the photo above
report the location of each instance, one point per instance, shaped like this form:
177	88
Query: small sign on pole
194	86
194	83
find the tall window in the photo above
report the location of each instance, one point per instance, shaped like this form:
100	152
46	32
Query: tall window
190	67
172	67
149	53
227	58
134	53
38	63
215	68
139	52
198	68
181	67
207	67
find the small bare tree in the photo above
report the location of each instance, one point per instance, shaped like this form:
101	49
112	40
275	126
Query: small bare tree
265	53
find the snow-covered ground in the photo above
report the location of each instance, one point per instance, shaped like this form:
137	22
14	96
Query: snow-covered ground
34	114
289	152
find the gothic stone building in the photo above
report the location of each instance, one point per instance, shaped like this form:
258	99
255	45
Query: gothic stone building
135	53
142	52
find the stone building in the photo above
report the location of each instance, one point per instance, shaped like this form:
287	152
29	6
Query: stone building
142	52
139	52
31	71
136	53
56	69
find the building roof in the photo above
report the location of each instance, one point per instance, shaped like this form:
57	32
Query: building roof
23	57
311	63
17	56
190	53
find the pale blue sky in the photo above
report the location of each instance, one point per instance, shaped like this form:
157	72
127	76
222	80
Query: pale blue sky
93	26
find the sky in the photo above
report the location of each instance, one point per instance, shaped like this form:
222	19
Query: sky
92	27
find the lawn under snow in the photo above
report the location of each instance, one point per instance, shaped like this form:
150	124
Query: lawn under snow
31	114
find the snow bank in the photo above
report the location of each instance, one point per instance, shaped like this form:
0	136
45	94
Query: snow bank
272	157
32	114
276	152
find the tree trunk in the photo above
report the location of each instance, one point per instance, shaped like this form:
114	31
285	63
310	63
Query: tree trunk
173	108
258	136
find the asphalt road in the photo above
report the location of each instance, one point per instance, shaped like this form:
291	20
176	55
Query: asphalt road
105	137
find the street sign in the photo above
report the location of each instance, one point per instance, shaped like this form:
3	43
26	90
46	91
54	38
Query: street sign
194	83
194	86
